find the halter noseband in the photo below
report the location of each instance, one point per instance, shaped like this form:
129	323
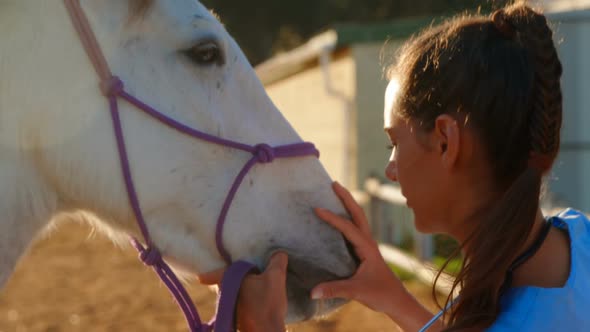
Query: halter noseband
113	88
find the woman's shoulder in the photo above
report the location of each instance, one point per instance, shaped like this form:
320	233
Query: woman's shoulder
554	309
577	225
572	219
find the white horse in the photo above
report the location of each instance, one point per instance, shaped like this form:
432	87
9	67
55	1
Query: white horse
58	157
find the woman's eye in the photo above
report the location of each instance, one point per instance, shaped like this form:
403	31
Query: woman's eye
391	146
205	54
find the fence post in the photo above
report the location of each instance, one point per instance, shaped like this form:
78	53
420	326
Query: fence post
388	229
376	217
375	209
423	246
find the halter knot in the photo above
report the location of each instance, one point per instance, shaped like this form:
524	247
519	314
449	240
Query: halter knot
150	256
112	86
264	153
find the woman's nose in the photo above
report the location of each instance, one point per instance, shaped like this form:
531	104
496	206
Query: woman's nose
391	171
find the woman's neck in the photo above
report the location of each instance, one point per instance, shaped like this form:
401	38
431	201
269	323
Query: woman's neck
554	252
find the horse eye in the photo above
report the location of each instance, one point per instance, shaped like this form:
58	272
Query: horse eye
205	54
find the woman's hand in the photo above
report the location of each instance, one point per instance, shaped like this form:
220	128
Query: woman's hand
373	284
262	301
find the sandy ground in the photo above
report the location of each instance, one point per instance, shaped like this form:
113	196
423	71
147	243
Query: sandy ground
71	281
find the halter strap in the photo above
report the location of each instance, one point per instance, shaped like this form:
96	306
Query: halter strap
88	39
112	88
228	295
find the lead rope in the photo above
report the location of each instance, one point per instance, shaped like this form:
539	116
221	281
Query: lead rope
112	88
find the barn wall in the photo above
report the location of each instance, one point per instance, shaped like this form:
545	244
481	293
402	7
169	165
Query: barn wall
319	115
370	86
570	180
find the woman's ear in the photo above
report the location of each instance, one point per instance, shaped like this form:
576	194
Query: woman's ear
447	139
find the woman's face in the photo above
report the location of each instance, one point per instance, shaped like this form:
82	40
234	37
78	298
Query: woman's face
444	173
415	163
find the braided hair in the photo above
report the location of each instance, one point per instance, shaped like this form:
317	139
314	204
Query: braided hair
500	75
534	34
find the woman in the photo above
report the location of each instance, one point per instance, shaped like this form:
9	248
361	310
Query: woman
473	112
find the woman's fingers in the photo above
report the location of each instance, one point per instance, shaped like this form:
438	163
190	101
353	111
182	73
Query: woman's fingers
355	210
277	266
348	229
334	289
211	278
262	303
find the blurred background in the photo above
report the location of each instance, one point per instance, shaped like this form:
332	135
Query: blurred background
279	26
330	86
322	63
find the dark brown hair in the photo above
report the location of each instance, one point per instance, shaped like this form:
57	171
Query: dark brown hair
502	73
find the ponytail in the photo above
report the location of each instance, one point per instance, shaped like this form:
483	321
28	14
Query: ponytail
486	261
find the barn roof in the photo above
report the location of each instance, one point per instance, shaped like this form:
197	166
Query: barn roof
338	38
341	36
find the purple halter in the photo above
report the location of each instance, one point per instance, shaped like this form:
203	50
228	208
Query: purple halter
112	88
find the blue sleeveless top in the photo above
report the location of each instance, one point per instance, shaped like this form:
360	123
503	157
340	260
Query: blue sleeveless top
566	308
530	308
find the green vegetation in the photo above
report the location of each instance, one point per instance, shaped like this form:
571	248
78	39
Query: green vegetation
402	274
452	268
444	247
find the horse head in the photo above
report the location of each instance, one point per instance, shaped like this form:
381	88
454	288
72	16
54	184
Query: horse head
177	57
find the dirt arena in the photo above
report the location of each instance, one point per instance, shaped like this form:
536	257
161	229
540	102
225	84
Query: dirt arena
71	281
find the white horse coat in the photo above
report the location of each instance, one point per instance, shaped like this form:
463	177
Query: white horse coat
58	157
